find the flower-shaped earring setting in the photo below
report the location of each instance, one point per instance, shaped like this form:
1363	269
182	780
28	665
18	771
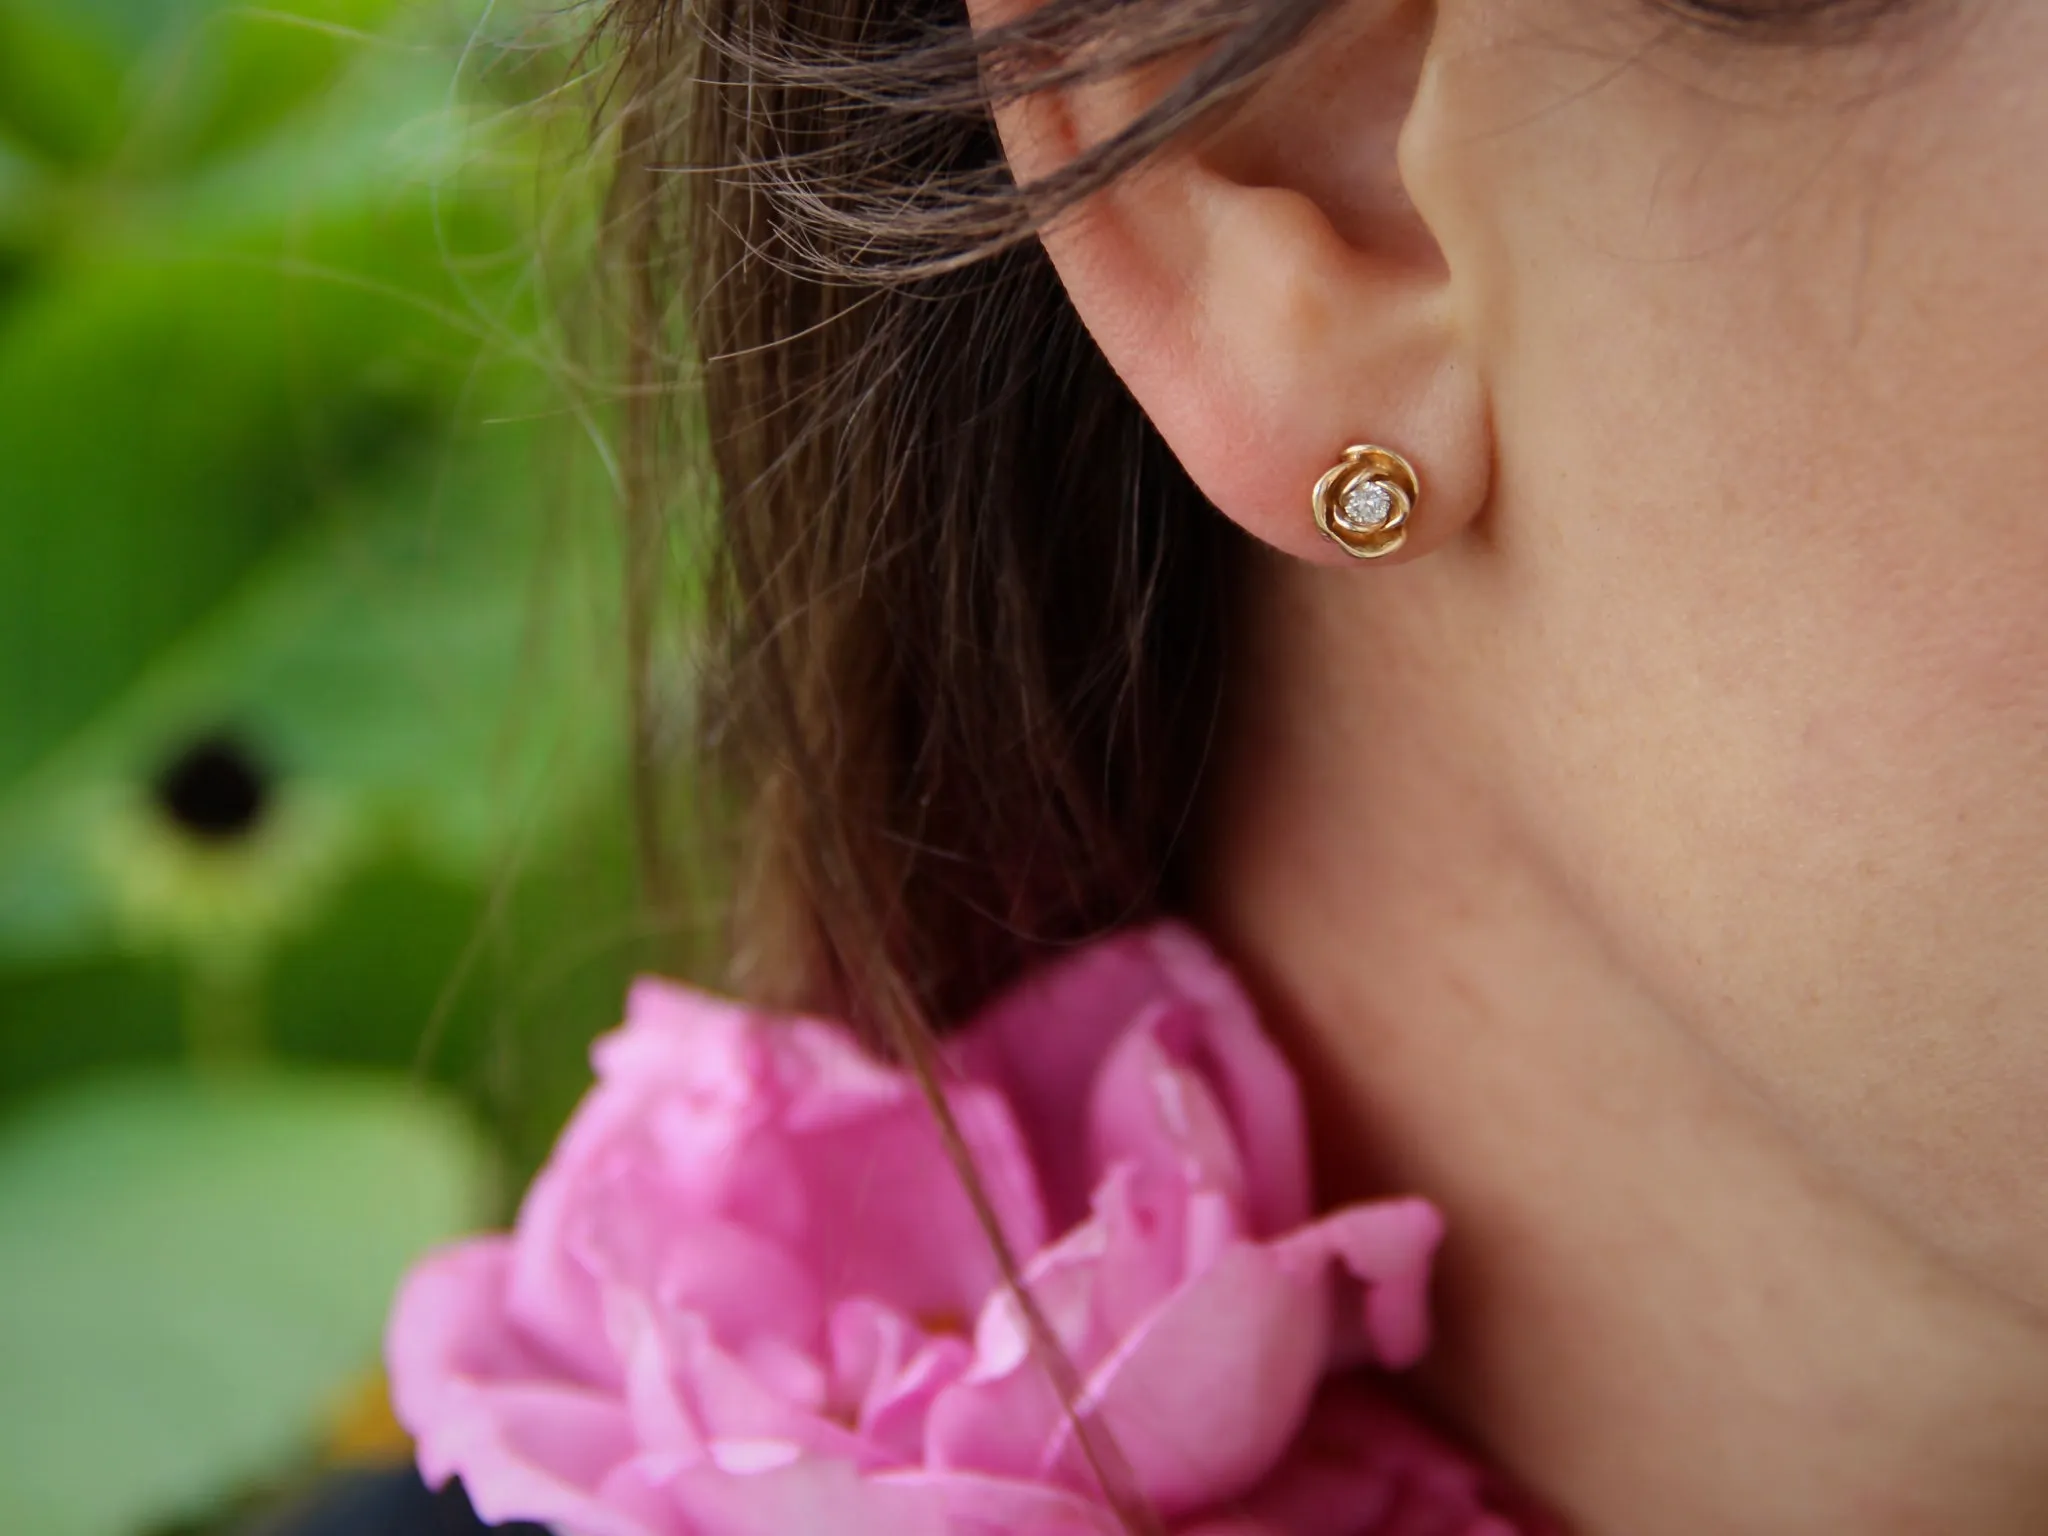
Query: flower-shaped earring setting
1363	504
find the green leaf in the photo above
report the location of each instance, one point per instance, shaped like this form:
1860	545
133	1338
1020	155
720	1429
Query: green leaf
231	499
62	82
246	68
134	26
146	89
246	493
159	430
62	1022
413	672
195	1269
21	186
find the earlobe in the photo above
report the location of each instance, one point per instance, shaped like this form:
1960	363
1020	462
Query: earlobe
1271	296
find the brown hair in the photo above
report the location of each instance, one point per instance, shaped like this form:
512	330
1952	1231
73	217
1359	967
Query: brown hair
966	605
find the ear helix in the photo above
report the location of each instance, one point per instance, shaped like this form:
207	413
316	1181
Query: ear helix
1364	503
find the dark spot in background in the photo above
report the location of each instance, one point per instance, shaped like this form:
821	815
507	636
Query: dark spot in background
216	789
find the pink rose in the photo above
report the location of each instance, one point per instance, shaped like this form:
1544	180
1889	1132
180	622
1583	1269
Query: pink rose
748	1296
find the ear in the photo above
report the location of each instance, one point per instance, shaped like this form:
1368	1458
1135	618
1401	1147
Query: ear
1269	292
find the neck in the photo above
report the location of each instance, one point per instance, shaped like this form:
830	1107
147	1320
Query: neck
1657	1308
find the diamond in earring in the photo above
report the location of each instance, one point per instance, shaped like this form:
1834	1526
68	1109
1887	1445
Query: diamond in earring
1366	506
1363	504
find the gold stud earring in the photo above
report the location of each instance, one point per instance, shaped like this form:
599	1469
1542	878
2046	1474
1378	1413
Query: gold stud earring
1363	504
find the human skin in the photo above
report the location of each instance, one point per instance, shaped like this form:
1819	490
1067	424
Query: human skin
1651	863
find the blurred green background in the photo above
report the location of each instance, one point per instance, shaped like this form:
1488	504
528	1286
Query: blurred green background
315	877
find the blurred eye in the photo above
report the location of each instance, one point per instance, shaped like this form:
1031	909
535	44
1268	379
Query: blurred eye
1784	20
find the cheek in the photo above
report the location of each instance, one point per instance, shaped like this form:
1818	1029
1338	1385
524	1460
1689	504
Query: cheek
1769	592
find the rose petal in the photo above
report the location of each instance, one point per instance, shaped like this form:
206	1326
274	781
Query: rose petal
1044	1042
1151	1109
714	1129
1156	1234
746	1286
678	1094
664	1420
889	1217
894	1420
1000	1415
1252	1078
485	1406
541	1453
887	1371
974	1505
448	1325
728	1401
735	1302
996	1422
1388	1247
1202	1398
1362	1467
811	1497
